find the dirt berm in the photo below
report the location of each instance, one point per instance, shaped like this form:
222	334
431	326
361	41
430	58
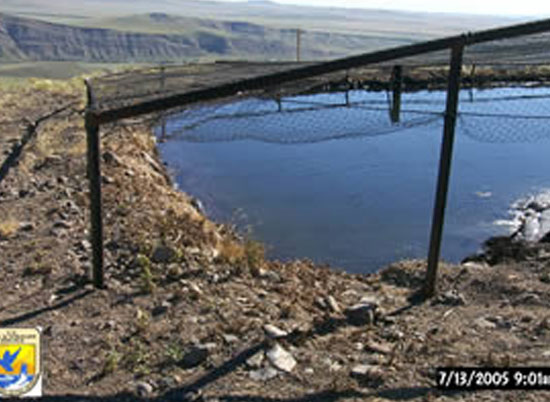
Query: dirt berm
193	313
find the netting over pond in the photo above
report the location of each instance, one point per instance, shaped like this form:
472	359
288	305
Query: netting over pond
350	102
483	115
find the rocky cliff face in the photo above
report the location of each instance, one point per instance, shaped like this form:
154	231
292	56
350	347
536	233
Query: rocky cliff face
24	39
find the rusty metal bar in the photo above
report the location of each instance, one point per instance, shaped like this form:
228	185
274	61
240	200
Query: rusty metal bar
444	167
230	89
94	177
397	85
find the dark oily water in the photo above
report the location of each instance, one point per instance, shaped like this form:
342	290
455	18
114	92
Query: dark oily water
332	179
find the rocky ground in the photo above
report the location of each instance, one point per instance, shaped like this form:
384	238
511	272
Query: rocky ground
194	313
530	218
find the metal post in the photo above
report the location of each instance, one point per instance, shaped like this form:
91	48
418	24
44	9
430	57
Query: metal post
397	84
472	82
94	178
163	129
298	43
162	78
163	117
444	167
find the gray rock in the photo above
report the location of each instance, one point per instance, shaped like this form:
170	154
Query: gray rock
229	338
61	225
361	314
107	179
197	204
195	356
333	304
62	180
531	229
474	265
63	216
159	310
360	370
500	322
527	298
194	289
540	202
370	299
111	324
280	358
72	207
164	254
110	158
382	348
270	275
482	323
263	374
273	332
174	271
153	163
367	372
167	383
544	223
144	389
256	360
451	298
26	226
84	245
321	302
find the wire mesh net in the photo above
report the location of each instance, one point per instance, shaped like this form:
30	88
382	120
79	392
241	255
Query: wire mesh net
299	119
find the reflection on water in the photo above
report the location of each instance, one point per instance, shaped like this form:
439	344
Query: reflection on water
316	177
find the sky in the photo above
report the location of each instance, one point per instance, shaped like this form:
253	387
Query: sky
491	7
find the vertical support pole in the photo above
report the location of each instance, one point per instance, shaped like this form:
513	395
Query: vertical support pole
94	178
279	104
298	43
444	167
163	129
162	78
163	118
472	82
397	85
347	97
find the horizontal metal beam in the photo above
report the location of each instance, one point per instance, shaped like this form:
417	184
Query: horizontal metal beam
231	89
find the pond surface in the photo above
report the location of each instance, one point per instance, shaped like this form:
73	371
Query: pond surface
334	180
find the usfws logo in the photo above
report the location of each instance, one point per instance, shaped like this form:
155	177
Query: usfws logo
20	371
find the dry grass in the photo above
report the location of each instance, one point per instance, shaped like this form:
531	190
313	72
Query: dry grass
250	252
232	251
255	253
8	228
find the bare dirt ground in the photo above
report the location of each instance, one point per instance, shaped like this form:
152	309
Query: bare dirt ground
193	313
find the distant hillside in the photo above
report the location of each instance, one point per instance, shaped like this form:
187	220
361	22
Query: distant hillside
342	20
132	31
23	39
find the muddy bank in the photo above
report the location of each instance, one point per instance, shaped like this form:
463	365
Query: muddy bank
193	313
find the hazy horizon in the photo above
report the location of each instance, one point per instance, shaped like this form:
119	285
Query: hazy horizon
489	7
